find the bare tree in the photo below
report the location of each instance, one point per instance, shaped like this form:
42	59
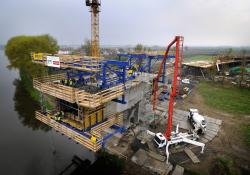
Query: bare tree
139	48
227	56
213	69
243	66
86	47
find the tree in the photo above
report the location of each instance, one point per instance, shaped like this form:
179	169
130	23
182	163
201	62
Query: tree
86	47
243	65
227	56
213	69
139	48
18	50
229	52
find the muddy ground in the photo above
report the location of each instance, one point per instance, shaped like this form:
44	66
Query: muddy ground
229	143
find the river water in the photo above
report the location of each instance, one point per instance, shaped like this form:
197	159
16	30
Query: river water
26	145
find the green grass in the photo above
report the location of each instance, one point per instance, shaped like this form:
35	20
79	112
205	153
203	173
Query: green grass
226	98
225	165
245	128
199	58
225	161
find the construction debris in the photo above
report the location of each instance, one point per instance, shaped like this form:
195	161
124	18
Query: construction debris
178	170
192	156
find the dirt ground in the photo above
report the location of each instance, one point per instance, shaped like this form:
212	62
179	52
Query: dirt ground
229	142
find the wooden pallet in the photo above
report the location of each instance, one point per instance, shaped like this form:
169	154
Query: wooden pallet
83	140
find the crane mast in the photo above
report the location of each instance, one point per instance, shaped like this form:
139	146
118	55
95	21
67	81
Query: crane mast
94	9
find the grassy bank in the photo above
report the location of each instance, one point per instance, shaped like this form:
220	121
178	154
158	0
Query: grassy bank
226	98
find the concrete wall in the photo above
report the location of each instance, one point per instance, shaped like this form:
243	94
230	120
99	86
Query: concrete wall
135	107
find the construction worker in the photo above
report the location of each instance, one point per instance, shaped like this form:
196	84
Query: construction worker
130	72
93	139
59	116
62	82
55	116
65	82
70	82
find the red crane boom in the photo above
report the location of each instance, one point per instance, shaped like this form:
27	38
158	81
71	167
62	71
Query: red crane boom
178	40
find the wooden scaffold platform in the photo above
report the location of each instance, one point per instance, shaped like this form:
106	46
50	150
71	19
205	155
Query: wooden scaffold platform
77	62
84	138
51	85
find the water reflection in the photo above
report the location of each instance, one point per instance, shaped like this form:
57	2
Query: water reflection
105	164
26	146
25	106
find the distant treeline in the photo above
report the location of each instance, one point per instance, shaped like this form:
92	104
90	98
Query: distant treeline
213	51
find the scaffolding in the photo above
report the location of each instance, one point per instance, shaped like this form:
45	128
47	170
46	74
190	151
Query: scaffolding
84	138
51	85
80	100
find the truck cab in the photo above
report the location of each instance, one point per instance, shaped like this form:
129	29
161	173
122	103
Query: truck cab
160	140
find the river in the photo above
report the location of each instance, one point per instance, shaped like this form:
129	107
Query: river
27	146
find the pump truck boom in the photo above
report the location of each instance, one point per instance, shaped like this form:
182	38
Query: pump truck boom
169	137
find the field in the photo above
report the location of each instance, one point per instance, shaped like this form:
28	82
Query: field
230	150
199	58
229	99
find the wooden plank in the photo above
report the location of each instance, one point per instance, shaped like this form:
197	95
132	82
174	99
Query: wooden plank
72	95
94	100
191	155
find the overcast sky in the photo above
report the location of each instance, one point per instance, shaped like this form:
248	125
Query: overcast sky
123	22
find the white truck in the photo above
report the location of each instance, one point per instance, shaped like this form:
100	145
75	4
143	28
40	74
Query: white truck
160	140
197	121
176	137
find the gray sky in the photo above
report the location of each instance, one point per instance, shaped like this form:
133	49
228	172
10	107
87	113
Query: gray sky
122	22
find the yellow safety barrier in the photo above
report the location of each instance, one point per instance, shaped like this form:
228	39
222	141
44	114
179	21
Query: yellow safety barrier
38	56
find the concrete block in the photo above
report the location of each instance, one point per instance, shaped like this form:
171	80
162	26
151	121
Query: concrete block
140	157
178	170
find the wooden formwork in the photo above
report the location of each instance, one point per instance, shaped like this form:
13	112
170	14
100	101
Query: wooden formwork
78	62
84	140
94	100
51	85
45	79
60	91
69	58
116	118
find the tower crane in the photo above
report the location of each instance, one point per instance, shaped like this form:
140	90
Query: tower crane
94	6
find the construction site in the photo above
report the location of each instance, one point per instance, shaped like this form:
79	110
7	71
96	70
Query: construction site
128	108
